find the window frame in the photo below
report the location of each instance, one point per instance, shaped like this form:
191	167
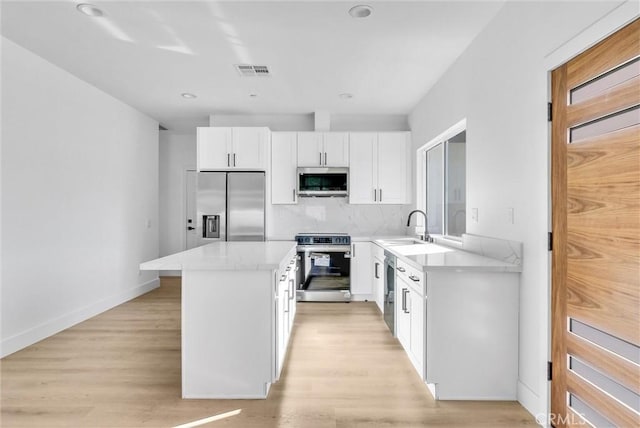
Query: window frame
421	177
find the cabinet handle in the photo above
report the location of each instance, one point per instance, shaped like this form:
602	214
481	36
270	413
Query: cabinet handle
234	162
294	195
289	268
325	158
287	291
376	270
292	288
375	195
228	161
401	269
414	278
283	277
405	291
353	250
320	153
380	193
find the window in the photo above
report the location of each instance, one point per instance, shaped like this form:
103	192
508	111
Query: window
444	183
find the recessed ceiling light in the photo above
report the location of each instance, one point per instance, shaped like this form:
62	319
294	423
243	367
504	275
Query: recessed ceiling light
89	10
360	11
345	96
189	96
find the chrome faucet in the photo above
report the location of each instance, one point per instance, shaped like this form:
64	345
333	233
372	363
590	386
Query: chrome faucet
426	236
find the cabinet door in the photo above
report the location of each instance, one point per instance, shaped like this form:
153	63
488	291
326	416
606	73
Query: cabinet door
361	281
283	167
378	282
417	330
393	168
362	189
403	320
310	152
214	147
336	149
249	148
282	315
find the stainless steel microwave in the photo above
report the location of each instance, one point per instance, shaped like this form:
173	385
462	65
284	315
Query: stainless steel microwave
323	182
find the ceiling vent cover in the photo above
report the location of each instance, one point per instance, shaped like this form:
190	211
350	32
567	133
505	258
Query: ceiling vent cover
246	70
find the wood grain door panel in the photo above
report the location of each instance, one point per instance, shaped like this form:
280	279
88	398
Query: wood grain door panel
596	239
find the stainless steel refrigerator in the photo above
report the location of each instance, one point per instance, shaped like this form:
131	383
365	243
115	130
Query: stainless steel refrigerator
230	206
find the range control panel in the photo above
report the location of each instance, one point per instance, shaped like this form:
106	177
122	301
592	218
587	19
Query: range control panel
323	239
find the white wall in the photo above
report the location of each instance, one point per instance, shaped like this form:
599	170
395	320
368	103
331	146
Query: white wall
79	199
500	84
177	155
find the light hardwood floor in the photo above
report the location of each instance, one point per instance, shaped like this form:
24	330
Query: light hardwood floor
122	369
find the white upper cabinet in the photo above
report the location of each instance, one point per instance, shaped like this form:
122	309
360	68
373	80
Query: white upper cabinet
336	149
224	148
379	168
323	149
362	183
283	167
213	148
394	168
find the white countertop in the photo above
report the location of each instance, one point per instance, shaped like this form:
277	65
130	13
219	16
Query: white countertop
453	260
222	255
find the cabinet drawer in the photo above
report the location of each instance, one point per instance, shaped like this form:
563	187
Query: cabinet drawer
411	275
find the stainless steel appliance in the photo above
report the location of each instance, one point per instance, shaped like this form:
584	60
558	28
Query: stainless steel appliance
325	262
389	290
230	206
323	182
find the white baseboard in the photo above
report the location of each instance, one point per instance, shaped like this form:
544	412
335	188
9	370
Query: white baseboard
532	403
56	325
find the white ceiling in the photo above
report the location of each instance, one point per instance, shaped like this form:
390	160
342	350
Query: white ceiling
146	53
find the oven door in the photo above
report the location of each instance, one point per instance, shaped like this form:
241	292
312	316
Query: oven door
326	273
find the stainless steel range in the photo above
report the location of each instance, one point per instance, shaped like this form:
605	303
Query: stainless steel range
325	267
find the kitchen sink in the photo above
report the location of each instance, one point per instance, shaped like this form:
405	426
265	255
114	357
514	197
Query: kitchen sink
412	247
401	241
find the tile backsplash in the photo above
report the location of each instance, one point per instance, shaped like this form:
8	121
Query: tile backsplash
336	215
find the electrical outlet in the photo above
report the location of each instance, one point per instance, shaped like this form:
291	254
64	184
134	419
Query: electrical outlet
474	215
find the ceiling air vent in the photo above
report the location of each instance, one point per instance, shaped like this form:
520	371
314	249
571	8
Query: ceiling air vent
246	70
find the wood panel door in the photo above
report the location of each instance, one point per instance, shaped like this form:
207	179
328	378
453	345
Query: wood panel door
596	235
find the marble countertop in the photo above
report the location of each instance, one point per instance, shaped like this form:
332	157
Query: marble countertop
222	255
446	258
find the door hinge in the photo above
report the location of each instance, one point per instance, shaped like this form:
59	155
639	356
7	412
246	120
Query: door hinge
549	370
549	111
550	241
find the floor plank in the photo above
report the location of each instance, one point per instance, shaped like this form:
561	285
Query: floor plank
122	369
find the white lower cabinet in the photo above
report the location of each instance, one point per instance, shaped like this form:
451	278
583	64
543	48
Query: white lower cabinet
377	254
460	330
285	311
361	280
410	314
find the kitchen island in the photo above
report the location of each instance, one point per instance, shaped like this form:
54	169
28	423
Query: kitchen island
236	315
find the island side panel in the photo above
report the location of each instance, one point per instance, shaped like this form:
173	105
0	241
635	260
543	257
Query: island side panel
227	349
472	335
